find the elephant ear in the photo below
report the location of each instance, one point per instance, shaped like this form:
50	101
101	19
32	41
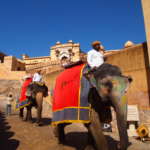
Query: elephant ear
120	85
92	80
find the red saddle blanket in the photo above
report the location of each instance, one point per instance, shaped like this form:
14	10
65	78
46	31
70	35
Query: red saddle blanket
24	89
23	101
68	106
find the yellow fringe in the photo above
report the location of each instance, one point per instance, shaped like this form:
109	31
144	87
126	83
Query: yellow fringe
69	121
72	107
21	107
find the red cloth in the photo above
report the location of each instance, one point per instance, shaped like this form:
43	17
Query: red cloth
24	88
67	88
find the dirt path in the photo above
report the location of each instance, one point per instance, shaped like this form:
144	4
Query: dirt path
18	135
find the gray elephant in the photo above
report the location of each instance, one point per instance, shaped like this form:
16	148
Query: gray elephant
34	98
106	89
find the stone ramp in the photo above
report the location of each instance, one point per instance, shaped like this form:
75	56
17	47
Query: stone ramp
27	136
16	134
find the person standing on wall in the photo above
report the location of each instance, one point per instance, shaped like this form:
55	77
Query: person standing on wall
37	77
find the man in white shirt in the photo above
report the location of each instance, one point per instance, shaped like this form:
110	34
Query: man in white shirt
37	77
95	57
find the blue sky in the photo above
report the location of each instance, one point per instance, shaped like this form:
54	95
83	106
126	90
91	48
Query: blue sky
32	26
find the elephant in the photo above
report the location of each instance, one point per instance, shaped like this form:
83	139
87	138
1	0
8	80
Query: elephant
35	94
107	89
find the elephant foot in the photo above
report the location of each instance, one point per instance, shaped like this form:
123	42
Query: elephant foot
24	119
27	120
61	141
39	124
30	121
89	147
119	147
21	118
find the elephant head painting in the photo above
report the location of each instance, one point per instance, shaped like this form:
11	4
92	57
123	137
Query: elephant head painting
102	89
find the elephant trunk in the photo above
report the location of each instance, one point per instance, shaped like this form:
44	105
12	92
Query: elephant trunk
96	131
122	125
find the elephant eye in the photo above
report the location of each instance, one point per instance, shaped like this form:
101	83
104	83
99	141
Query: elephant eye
115	83
106	84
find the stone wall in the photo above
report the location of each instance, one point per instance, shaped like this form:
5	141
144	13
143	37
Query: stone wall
133	61
13	64
2	55
30	62
146	13
10	75
10	86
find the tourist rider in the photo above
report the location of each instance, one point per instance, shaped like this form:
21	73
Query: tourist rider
37	77
95	58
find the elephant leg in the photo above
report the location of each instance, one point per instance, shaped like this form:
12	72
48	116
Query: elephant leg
21	113
29	114
26	116
39	101
122	126
90	140
60	133
95	132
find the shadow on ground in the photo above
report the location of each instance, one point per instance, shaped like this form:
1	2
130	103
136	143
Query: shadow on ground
79	140
45	121
6	143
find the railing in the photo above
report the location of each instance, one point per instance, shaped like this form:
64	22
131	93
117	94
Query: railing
43	65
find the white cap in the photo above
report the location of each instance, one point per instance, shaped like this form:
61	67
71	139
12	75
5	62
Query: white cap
27	76
128	44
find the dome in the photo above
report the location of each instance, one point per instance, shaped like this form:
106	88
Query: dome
70	41
58	42
128	44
